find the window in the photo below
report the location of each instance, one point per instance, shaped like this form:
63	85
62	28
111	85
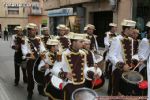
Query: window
13	10
36	9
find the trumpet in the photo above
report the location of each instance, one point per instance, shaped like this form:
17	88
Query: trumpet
43	55
18	41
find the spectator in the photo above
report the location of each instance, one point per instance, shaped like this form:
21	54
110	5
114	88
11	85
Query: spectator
5	34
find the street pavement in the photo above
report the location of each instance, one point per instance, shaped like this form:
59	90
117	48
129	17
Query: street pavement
7	89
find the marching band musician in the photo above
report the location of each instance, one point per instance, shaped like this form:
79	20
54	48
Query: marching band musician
45	35
46	64
107	41
31	49
110	34
144	51
143	54
64	42
120	55
147	55
91	61
67	30
90	58
16	45
134	36
73	66
89	29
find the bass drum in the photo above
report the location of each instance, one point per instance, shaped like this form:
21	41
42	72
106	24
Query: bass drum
38	75
54	87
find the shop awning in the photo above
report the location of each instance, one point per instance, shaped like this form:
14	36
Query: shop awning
60	12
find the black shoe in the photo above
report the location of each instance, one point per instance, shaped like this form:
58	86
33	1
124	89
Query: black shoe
29	97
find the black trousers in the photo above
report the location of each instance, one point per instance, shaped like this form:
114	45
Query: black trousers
116	81
6	37
30	85
17	73
68	90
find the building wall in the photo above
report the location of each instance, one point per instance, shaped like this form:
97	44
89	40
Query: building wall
95	7
13	21
37	20
124	11
51	4
5	18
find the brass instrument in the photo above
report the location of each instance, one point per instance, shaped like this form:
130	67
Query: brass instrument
18	41
43	55
32	56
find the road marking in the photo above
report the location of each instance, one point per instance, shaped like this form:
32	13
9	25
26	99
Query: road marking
3	94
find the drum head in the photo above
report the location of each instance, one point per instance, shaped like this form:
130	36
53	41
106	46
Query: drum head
84	94
99	58
132	77
56	82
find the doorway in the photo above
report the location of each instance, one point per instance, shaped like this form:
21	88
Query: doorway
101	22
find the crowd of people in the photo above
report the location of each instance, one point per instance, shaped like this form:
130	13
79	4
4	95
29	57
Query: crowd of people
62	64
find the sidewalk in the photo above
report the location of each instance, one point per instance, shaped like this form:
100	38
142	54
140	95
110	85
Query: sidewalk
3	94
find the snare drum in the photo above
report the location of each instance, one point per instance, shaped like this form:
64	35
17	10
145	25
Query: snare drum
130	80
84	94
95	84
54	88
57	82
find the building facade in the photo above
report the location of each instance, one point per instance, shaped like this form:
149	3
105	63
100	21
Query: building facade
97	12
20	12
12	13
37	14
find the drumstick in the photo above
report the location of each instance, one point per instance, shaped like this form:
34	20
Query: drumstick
136	66
94	79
